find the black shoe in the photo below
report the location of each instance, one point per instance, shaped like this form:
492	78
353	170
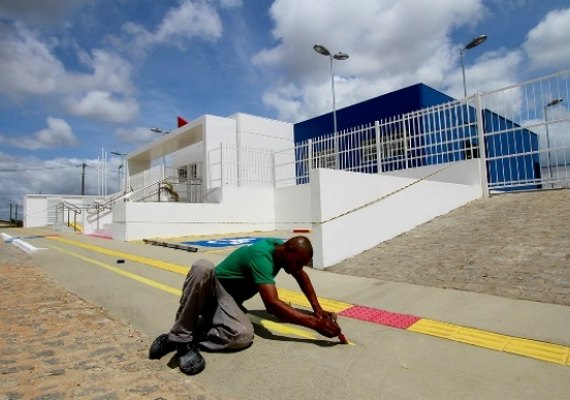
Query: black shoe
190	360
161	346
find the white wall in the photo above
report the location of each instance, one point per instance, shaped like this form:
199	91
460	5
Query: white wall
218	130
36	209
39	210
335	193
263	133
240	210
293	207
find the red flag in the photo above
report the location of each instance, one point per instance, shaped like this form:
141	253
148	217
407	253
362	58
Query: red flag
181	122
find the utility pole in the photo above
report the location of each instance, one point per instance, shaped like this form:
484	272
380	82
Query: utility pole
83	179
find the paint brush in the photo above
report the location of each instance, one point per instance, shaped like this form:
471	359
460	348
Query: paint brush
342	338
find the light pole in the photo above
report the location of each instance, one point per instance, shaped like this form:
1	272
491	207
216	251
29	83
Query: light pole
474	43
121	168
551	103
340	56
158	130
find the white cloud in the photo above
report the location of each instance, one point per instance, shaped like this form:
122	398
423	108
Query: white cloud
231	3
102	106
29	68
493	70
547	43
58	133
27	65
137	135
28	175
190	19
106	71
385	53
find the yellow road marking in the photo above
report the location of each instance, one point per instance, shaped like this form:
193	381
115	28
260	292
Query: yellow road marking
167	266
544	351
282	328
122	272
299	299
273	326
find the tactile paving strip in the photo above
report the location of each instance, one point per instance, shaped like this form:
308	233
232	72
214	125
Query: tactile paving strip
382	317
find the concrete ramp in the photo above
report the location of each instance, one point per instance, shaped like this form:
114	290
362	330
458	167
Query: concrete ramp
363	210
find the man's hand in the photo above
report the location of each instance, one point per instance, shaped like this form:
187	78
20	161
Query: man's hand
326	324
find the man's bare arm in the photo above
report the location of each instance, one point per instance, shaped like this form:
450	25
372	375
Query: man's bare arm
286	313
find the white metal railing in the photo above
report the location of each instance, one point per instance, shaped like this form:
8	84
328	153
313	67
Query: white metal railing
541	160
435	135
520	134
229	165
71	211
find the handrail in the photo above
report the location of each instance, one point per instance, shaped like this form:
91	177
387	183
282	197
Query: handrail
96	205
72	206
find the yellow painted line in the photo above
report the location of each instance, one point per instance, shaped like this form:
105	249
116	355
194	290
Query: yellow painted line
299	299
277	327
550	352
122	272
167	266
273	326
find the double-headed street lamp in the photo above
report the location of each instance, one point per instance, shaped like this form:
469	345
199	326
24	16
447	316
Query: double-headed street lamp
551	103
340	57
474	43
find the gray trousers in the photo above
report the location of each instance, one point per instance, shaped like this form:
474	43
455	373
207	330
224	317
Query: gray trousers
208	314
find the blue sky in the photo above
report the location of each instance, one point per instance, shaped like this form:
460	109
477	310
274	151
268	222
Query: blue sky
77	76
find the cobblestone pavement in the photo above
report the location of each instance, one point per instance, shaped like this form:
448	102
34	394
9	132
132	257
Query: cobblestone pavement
513	245
55	346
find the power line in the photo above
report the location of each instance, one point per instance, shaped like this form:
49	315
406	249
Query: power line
32	169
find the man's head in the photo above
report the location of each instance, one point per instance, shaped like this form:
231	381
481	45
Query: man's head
294	254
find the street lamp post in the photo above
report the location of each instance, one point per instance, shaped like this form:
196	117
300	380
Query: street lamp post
340	56
552	103
162	132
121	169
473	43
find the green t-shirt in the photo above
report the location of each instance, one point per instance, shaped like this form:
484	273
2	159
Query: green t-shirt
247	267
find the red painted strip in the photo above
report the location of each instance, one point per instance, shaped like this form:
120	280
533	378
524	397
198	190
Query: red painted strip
100	236
382	317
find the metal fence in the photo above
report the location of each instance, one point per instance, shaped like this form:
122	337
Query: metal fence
520	133
244	166
539	107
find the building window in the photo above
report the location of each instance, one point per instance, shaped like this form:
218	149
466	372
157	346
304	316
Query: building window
182	174
193	169
324	159
393	145
368	150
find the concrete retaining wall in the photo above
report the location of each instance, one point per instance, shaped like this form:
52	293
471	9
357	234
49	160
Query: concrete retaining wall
359	211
